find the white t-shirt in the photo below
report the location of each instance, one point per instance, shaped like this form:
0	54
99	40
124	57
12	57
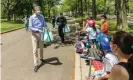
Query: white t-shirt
109	60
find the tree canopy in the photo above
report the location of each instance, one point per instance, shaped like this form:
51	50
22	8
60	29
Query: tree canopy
20	8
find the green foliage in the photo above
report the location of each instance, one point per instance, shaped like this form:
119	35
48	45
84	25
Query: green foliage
111	24
24	7
68	5
131	5
7	26
100	5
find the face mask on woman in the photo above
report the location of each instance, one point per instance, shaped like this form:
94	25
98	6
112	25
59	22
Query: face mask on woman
102	20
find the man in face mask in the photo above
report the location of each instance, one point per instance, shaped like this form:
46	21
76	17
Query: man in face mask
36	24
61	22
104	26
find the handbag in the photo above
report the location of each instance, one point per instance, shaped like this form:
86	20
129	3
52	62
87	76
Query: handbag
51	22
47	35
66	29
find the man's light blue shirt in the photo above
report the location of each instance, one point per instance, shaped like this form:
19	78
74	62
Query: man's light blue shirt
36	23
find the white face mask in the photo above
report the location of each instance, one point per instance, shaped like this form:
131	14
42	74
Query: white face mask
111	47
102	20
38	12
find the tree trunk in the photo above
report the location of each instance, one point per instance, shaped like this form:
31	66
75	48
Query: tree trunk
49	13
105	7
85	7
127	5
49	8
81	2
8	15
94	14
88	5
78	6
76	10
8	11
31	4
121	15
14	18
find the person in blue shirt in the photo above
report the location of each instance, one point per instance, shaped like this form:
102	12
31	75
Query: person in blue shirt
25	20
36	25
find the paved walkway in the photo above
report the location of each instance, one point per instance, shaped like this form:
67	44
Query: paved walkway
17	59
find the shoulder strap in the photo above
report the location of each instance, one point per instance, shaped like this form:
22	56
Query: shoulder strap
125	65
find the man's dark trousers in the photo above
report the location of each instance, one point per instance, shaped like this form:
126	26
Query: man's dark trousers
61	33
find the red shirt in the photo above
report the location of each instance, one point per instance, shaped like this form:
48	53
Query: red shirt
104	28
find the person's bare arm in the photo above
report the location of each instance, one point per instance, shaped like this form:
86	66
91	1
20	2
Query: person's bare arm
119	73
106	77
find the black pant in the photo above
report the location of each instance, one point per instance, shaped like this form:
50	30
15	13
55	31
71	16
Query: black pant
92	41
53	23
61	33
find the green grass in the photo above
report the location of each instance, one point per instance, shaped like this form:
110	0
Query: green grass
7	26
112	25
130	14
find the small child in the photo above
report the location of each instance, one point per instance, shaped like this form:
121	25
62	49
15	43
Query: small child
92	32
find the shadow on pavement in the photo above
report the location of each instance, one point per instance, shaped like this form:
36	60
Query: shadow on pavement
52	61
65	44
46	45
69	39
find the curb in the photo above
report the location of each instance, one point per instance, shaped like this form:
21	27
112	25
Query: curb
73	73
78	72
11	30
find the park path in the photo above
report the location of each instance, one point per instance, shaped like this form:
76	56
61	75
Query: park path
17	59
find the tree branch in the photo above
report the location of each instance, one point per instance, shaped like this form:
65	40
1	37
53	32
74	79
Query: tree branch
12	5
4	5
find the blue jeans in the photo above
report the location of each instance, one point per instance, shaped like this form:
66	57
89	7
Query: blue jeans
26	27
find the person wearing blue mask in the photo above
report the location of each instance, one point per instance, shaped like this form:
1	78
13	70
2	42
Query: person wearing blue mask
36	25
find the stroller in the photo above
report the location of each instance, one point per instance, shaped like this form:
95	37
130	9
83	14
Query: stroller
82	43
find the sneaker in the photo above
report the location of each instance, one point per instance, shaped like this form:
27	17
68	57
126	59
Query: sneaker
35	68
84	56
